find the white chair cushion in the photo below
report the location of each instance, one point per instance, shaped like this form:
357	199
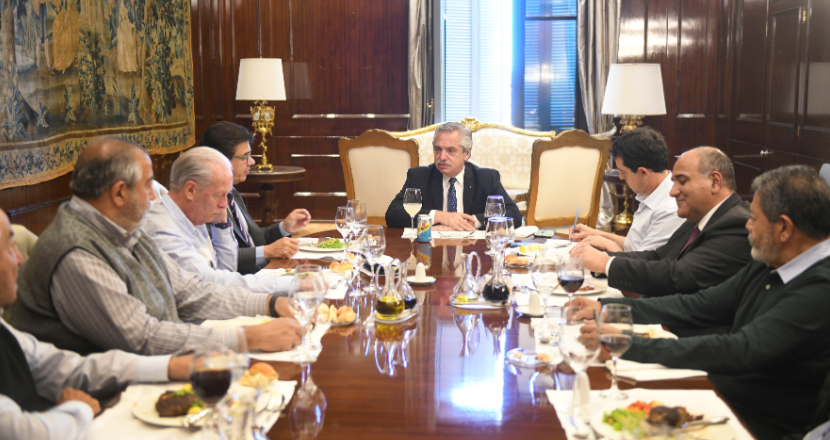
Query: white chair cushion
566	182
378	174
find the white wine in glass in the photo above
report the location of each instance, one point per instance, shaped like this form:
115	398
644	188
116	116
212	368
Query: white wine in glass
412	202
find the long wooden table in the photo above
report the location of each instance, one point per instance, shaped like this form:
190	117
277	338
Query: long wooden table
448	388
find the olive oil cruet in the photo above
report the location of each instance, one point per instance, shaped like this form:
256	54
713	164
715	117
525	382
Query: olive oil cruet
467	288
390	302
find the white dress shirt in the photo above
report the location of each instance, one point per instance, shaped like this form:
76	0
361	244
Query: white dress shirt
459	196
655	220
213	260
53	370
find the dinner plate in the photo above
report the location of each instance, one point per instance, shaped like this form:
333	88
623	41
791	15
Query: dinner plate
525	310
711	432
144	409
321	250
525	358
414	281
403	317
594	291
480	304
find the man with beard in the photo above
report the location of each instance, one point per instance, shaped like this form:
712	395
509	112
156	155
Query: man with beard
773	360
95	280
453	191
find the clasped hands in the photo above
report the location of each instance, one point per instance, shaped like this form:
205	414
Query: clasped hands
454	221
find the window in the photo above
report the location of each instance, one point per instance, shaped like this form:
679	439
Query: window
511	62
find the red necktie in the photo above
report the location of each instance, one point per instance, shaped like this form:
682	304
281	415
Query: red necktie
694	235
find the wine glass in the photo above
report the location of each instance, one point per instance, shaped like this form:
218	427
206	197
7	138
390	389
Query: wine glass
412	202
571	274
343	220
616	331
511	236
578	350
354	254
211	373
496	200
307	291
373	244
360	213
308	408
544	273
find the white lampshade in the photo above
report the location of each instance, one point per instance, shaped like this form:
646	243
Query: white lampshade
634	89
260	79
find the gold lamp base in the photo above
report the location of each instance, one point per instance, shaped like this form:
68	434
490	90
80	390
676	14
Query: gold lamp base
623	220
263	116
630	122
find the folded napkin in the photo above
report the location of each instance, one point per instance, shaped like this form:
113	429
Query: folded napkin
525	231
283	356
704	402
119	422
646	372
471	235
410	233
338	292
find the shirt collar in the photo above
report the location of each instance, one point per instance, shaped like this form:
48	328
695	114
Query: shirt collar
803	261
659	193
179	217
459	178
115	233
705	220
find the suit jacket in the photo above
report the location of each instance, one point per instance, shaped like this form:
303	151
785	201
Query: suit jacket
717	253
478	184
246	261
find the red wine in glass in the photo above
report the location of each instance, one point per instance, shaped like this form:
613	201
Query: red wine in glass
571	283
211	385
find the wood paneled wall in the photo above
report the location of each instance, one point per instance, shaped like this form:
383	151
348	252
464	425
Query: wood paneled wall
751	77
342	60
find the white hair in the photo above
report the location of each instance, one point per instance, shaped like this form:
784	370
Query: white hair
192	166
466	139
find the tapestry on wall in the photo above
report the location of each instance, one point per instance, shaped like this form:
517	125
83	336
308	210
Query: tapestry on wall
76	70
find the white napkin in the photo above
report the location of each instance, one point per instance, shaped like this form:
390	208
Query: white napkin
409	233
119	422
338	293
475	235
525	231
283	356
645	372
696	401
274	272
656	328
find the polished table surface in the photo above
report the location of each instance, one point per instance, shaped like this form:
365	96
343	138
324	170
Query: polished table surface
447	388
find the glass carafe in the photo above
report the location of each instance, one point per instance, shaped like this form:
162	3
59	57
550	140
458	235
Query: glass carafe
466	290
390	303
496	288
409	298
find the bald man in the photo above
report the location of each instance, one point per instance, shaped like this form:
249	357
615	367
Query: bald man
96	281
709	247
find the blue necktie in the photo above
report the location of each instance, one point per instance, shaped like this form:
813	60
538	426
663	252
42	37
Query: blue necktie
452	203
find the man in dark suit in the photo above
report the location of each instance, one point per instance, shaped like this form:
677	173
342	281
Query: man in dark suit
708	248
453	191
256	245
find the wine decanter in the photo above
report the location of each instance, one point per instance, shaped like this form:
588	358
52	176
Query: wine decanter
466	290
390	302
409	298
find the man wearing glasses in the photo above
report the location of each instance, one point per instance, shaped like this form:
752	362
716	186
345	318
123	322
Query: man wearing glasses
256	245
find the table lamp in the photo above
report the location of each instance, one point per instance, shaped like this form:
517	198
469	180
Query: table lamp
261	80
634	91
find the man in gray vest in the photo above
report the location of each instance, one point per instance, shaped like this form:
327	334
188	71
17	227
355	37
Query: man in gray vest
96	281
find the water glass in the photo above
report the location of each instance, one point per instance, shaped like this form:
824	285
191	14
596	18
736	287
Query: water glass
307	291
616	331
373	244
360	213
344	220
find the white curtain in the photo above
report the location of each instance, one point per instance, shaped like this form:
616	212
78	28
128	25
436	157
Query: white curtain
420	63
597	37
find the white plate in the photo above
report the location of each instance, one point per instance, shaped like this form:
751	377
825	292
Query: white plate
525	310
343	324
524	358
403	317
144	409
479	305
414	281
594	291
658	334
711	432
321	250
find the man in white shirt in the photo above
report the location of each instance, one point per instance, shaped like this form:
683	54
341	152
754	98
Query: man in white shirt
45	392
200	181
453	191
642	157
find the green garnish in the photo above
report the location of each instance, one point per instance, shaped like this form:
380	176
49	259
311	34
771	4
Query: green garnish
198	403
331	243
620	417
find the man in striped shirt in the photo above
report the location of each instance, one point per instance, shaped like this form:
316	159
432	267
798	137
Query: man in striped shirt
96	281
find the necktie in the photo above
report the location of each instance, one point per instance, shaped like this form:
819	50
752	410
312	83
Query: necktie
235	217
452	203
692	237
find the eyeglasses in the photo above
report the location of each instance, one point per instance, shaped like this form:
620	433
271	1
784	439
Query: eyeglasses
245	157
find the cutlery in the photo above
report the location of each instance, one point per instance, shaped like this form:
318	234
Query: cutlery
579	432
191	419
705	422
576	219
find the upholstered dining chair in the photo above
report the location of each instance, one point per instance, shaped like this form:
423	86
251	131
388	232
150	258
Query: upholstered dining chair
566	173
375	165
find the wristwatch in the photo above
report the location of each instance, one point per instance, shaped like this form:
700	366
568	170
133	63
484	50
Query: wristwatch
225	225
